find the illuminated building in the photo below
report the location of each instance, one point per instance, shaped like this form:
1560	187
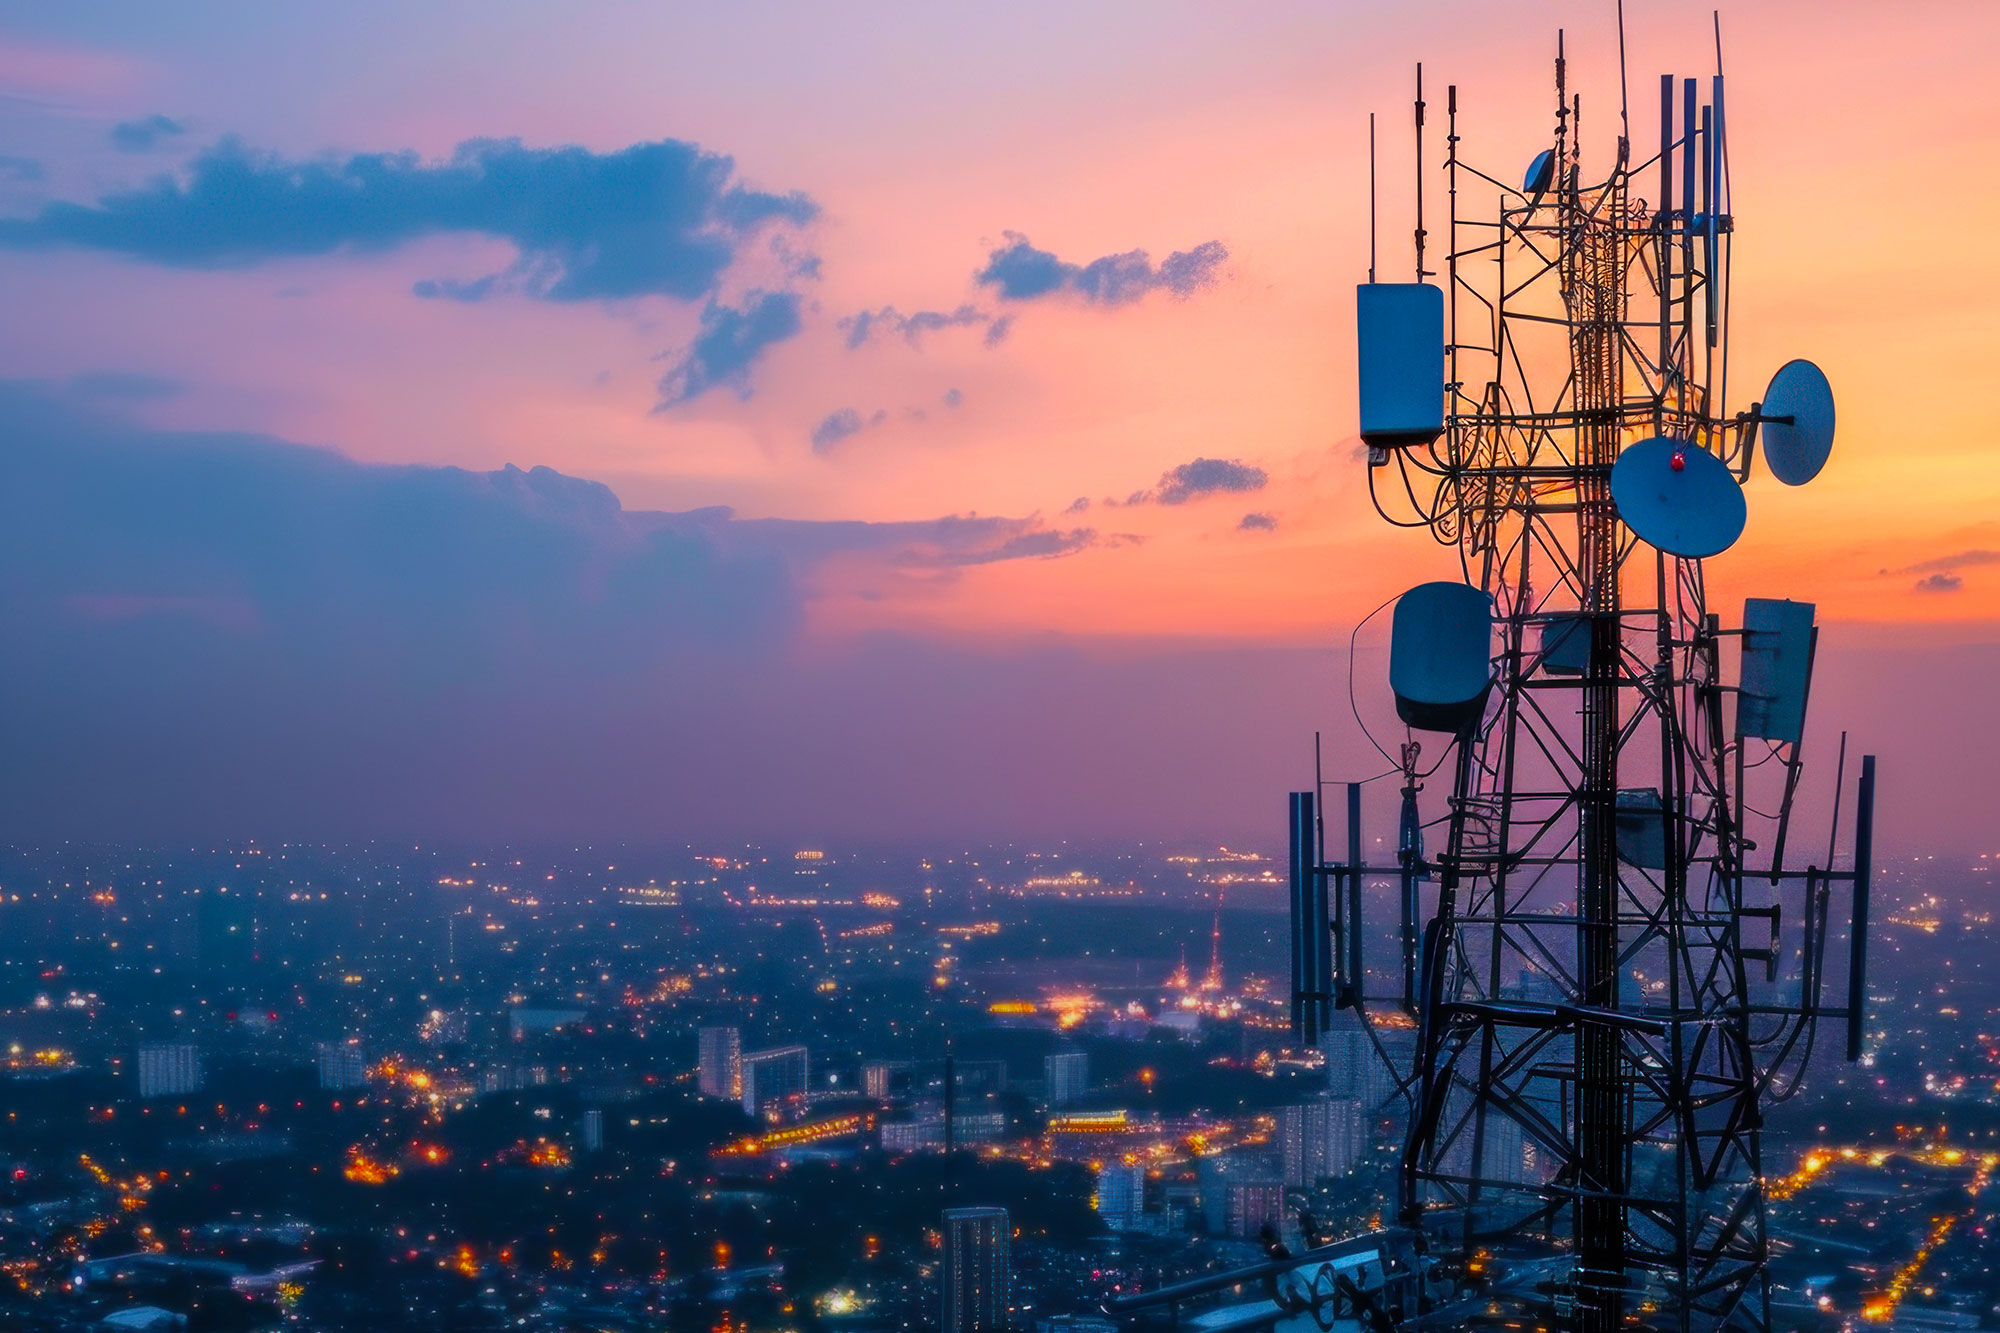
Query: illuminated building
773	1077
885	1080
721	1050
1121	1196
1068	1076
1320	1138
1254	1205
975	1270
169	1069
342	1065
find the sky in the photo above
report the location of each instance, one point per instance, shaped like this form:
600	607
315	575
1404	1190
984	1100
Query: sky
877	421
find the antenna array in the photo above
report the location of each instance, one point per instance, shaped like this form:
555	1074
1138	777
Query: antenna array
1594	1047
1614	962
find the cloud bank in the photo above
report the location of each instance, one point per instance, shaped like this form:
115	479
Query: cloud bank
662	218
225	627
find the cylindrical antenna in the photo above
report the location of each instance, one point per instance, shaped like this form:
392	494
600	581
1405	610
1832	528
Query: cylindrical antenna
1708	223
1664	220
1451	245
1371	208
1624	99
1420	171
1689	114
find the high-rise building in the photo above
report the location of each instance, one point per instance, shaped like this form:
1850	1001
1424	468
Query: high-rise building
1323	1137
975	1270
773	1078
1121	1196
721	1051
169	1069
1348	1058
342	1065
1068	1076
1254	1205
590	1134
887	1080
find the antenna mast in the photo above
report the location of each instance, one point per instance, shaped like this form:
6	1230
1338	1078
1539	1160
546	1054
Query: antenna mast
1594	1052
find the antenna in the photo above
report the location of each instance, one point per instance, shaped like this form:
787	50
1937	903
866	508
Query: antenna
1421	275
1678	497
1795	421
1624	99
1371	196
1606	844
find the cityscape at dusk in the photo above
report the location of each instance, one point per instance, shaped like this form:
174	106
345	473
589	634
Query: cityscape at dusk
909	668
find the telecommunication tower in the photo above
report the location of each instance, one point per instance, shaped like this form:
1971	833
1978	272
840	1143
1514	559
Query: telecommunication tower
1615	957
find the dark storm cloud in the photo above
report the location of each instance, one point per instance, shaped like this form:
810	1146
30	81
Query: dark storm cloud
1258	522
661	218
1020	272
145	134
730	341
1202	477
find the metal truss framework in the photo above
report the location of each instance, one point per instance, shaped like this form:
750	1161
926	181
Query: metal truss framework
1594	1048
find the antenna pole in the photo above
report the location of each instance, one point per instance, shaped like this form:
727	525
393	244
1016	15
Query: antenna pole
1864	870
1624	100
1371	197
1451	261
1420	172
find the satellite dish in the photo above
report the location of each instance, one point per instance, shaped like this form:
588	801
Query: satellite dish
1541	172
1678	497
1797	449
1441	655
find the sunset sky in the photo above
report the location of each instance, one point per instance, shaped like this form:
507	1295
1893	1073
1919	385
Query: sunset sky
989	369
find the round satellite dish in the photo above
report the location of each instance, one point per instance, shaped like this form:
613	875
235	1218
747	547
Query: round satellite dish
1678	497
1541	172
1797	449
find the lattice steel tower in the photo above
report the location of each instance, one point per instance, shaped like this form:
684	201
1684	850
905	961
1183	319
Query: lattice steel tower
1611	962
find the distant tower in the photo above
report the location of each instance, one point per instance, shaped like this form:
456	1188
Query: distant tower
1213	981
1067	1075
1546	396
975	1270
1179	980
721	1050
